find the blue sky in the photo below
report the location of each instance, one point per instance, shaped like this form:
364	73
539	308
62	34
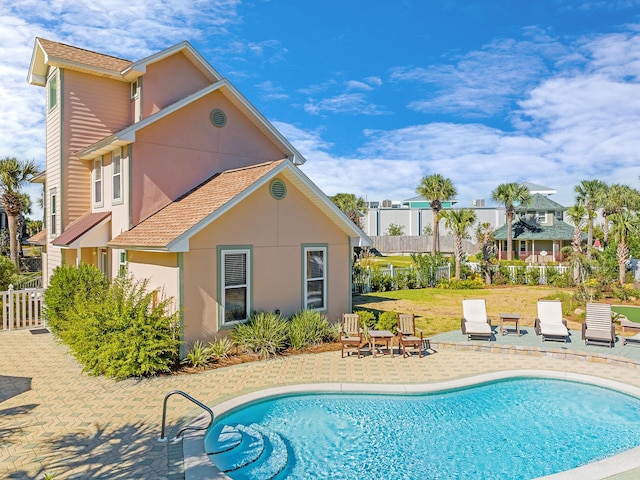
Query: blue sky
378	94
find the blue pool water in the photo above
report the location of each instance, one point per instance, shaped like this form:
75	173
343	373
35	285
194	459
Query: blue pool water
515	429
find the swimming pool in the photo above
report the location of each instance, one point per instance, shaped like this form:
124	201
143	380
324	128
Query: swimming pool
519	428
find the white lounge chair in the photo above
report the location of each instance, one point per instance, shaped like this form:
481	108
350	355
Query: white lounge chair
550	323
598	327
475	322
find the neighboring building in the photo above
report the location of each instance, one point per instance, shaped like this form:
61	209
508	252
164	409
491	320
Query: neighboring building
538	232
161	167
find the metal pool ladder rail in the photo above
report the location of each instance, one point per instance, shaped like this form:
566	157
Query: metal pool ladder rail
164	415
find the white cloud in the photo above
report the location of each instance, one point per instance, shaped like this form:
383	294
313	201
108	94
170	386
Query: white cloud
355	103
357	85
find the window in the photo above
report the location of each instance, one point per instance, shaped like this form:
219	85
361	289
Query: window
315	284
53	209
122	263
97	182
235	275
541	217
523	246
116	169
135	89
52	92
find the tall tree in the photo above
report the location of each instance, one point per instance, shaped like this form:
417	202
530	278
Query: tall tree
577	215
615	199
590	194
510	195
459	222
353	207
436	189
484	236
623	225
14	174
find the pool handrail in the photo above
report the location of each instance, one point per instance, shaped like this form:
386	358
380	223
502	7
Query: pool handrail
188	427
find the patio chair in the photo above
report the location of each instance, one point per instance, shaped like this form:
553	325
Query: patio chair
598	327
475	322
409	335
549	322
350	332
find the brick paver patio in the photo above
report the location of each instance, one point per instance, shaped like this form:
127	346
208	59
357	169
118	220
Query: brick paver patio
55	419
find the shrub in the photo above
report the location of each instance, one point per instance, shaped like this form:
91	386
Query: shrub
220	348
264	334
125	333
307	328
198	355
367	319
388	321
380	282
468	284
8	272
67	286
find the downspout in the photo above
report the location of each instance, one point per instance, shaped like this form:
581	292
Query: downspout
181	301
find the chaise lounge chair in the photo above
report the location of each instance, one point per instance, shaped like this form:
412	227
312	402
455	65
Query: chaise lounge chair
550	323
409	335
598	327
350	332
475	322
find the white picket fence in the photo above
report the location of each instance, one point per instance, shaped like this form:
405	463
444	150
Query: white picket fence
22	308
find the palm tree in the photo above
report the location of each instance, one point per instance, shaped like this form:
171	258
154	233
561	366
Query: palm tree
14	174
615	198
484	236
352	206
590	194
624	224
510	194
577	214
436	189
458	221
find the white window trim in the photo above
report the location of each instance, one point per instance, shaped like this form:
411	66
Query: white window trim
52	100
97	183
116	155
135	89
223	287
541	217
306	280
123	262
53	211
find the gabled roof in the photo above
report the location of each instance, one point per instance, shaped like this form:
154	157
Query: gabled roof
128	135
47	53
540	203
531	231
171	228
39	238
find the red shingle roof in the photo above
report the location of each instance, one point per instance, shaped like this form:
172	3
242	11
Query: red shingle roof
79	227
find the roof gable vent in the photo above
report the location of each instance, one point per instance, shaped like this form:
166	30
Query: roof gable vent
278	189
218	118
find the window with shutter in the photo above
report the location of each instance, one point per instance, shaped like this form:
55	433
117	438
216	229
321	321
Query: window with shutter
235	291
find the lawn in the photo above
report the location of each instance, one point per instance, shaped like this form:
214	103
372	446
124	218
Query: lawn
632	313
439	310
400	261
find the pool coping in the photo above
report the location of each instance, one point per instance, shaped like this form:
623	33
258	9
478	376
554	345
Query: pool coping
197	465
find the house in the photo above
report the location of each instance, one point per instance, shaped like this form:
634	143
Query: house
538	231
162	168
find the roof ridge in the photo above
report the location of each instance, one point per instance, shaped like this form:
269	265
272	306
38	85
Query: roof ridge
84	49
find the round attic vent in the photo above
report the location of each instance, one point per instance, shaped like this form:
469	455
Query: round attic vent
278	189
218	118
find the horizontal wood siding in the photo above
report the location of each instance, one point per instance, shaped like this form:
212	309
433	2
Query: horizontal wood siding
94	108
53	155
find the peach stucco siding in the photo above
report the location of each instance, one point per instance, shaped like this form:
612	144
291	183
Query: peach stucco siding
165	166
168	81
160	269
276	232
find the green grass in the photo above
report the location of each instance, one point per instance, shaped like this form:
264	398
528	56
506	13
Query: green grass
400	261
632	313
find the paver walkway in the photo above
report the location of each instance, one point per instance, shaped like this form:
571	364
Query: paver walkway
55	419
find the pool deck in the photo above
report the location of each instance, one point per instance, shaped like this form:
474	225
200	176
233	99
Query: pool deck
56	419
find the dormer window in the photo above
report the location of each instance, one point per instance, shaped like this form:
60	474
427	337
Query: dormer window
541	217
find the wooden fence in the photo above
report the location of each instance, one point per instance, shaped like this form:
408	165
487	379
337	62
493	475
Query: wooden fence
22	308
